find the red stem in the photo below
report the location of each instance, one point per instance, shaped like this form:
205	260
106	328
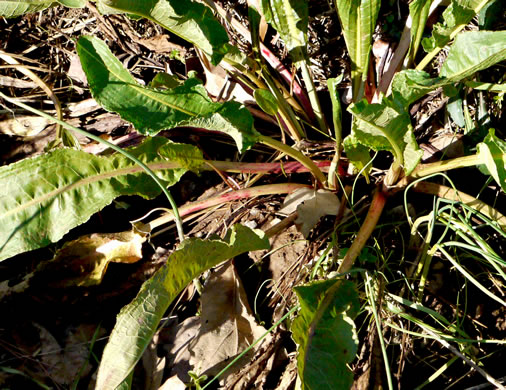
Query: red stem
375	210
271	189
287	76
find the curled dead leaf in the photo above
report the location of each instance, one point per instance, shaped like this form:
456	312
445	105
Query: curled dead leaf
228	326
83	262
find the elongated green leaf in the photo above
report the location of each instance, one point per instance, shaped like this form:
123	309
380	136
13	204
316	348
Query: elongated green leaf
326	341
337	115
419	13
473	51
290	19
492	152
456	15
151	110
190	20
381	127
137	322
266	101
13	8
358	21
42	198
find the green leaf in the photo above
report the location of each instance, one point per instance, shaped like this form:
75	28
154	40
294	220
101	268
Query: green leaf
410	85
164	80
332	84
473	51
137	322
419	13
358	154
190	20
266	101
456	15
358	21
326	335
151	110
46	196
381	127
492	152
14	8
491	14
73	3
290	19
454	108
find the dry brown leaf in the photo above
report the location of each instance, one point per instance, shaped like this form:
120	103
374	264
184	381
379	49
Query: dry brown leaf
227	324
23	125
173	383
311	205
76	71
161	44
178	357
218	84
153	365
287	247
83	262
263	24
64	365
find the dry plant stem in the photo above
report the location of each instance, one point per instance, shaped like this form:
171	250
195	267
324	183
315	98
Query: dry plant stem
445	192
300	157
271	189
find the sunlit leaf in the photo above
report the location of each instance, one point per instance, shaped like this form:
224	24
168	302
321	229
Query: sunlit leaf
381	127
290	19
473	51
358	21
492	152
152	110
457	14
419	13
325	334
190	20
42	198
359	155
137	322
266	101
13	8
